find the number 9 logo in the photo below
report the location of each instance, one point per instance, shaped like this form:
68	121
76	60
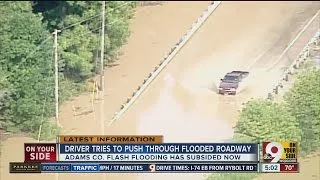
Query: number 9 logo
152	168
275	150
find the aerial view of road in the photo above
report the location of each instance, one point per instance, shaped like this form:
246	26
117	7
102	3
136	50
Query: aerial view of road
182	103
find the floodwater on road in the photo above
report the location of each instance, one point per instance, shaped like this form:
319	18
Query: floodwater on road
238	36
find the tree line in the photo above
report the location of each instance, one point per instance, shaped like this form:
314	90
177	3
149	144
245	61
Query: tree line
296	118
26	54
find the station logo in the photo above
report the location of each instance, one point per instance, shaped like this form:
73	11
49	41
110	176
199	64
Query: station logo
279	152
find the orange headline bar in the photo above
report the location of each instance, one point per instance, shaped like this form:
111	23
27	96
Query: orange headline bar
111	139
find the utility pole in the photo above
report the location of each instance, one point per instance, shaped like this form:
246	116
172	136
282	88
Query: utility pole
102	120
102	123
102	50
56	71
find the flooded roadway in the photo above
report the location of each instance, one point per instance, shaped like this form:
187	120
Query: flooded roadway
180	104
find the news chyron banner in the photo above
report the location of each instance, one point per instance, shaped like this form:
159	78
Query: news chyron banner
135	154
158	153
280	157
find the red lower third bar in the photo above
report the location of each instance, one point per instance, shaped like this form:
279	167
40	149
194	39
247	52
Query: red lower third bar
289	168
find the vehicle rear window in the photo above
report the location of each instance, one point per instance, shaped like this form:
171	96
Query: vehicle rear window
231	78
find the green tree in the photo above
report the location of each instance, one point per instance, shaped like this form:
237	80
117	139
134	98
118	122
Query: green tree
118	21
26	82
5	90
77	53
303	100
80	23
26	67
264	120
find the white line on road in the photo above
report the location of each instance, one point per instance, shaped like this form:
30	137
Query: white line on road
293	41
205	15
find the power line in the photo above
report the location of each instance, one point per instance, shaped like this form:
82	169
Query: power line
92	17
133	9
82	21
45	100
50	36
136	12
31	53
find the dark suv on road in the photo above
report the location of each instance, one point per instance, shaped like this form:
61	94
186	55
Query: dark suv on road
230	83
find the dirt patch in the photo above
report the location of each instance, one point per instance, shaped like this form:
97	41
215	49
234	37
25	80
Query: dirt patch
6	135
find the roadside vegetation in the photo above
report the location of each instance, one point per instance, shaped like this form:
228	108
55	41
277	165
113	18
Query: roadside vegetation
26	55
295	118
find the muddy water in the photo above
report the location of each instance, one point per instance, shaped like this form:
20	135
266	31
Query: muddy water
149	41
180	104
209	55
